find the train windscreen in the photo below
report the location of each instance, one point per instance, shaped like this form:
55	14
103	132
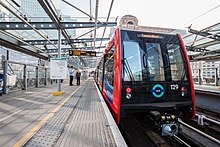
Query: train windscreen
152	57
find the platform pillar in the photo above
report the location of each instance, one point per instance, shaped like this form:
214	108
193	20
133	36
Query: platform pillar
59	56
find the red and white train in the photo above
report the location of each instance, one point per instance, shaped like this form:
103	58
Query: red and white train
145	72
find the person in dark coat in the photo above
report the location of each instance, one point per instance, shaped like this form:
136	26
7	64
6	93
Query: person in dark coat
78	74
71	76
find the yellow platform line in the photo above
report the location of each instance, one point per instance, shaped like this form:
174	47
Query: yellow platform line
42	122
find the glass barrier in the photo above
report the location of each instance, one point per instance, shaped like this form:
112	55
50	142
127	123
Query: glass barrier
15	77
31	76
206	76
42	78
49	81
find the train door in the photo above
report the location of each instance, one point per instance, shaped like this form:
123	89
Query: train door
108	78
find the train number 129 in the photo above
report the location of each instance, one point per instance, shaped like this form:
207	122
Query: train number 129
174	87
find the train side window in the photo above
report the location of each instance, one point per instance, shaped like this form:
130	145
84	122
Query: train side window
109	67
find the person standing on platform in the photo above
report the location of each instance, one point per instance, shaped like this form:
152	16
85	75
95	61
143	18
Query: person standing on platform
78	74
71	76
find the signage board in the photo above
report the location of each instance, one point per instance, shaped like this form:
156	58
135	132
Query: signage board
81	53
58	68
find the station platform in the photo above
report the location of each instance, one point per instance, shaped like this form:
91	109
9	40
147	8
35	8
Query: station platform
209	89
208	97
80	117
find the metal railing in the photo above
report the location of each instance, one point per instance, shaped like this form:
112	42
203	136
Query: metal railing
201	119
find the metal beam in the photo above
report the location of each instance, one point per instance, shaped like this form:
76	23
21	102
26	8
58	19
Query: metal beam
22	50
206	56
107	20
66	50
90	16
49	10
10	41
63	41
51	25
25	21
207	44
205	34
203	30
195	49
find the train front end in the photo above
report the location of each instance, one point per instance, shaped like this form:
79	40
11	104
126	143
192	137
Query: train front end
156	75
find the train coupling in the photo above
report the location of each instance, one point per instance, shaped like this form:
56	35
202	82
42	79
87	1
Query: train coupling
169	125
169	129
166	123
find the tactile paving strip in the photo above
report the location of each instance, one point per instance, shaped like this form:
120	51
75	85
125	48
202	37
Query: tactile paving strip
50	132
88	125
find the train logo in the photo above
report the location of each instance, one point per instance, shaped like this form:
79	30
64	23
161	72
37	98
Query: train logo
158	91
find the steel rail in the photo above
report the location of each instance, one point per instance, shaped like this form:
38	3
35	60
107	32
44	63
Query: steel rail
181	141
199	132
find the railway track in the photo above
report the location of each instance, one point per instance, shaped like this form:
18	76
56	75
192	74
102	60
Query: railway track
209	113
206	121
138	132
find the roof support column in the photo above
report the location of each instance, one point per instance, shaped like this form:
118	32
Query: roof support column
59	56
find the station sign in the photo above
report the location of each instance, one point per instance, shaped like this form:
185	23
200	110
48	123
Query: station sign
58	68
81	53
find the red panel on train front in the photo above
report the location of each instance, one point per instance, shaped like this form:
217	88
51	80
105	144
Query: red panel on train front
190	76
117	76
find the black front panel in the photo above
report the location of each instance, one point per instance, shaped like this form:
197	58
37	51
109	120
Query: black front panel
154	67
144	93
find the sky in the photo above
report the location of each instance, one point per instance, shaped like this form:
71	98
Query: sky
176	14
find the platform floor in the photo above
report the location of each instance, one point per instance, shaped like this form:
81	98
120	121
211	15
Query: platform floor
78	118
207	88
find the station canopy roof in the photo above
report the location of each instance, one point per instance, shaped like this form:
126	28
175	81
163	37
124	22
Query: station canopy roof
41	34
203	44
37	34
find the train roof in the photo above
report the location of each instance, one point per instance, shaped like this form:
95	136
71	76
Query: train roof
142	31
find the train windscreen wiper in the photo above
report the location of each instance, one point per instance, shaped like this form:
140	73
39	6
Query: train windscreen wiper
128	69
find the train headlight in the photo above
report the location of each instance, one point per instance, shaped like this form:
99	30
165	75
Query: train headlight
128	95
183	91
128	90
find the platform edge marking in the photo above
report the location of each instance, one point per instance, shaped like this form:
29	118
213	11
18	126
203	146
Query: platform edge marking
119	140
